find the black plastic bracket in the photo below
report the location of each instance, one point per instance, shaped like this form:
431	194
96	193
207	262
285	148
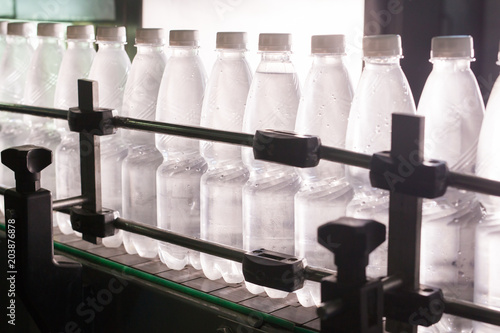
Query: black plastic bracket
358	301
427	179
93	224
88	117
351	240
49	285
274	270
91	219
423	307
361	309
287	148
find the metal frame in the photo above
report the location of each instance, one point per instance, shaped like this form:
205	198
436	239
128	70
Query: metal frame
403	260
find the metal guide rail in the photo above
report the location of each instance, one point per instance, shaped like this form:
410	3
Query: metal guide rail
351	301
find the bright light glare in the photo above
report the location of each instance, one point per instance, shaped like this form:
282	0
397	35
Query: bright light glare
302	18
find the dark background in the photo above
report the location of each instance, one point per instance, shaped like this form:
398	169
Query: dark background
418	21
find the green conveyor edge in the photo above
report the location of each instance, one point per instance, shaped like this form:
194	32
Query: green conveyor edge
173	285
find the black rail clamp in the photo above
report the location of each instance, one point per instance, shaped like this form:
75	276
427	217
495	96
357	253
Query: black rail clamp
50	286
274	270
351	303
422	307
287	148
91	219
88	117
426	179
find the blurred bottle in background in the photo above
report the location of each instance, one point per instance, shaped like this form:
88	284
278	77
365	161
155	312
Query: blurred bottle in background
110	69
221	186
3	38
486	264
40	90
178	177
268	206
14	67
324	192
139	167
75	65
382	90
453	108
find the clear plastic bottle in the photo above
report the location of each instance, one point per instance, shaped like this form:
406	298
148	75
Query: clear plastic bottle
75	65
14	68
178	177
382	90
39	91
268	209
453	108
324	192
486	264
223	108
110	69
139	167
3	38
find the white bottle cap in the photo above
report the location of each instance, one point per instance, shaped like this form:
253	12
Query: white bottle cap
321	44
275	42
111	34
3	27
50	30
452	47
81	32
231	40
150	36
24	29
382	46
184	38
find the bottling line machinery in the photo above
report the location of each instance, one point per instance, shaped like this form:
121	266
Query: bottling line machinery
61	283
64	283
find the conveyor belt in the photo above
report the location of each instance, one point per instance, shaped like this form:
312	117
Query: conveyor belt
287	309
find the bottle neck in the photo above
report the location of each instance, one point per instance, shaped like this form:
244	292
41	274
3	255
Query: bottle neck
387	61
327	59
49	41
451	63
276	62
17	40
80	44
149	48
111	46
276	56
230	54
184	51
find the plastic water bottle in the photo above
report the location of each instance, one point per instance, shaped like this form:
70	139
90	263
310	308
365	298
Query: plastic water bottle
268	208
3	37
14	68
324	192
75	65
382	90
139	167
486	264
178	177
44	68
453	107
223	108
40	90
110	68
